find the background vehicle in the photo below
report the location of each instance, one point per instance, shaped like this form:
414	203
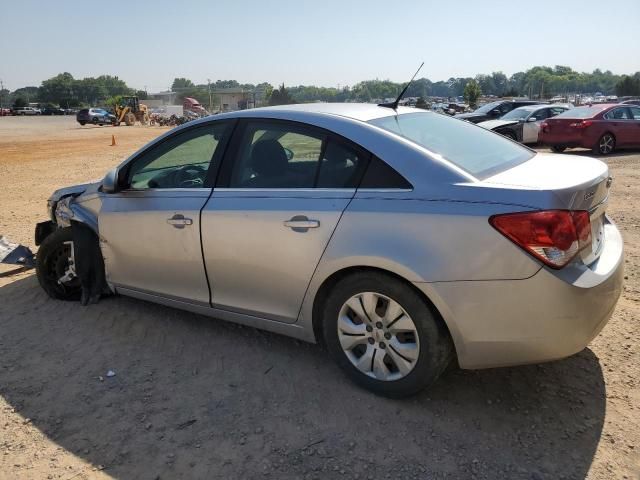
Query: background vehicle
27	111
5	112
360	225
494	110
130	110
191	105
523	123
53	111
96	116
602	128
633	101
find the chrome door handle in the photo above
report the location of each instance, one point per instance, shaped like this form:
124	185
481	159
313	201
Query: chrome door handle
179	221
301	223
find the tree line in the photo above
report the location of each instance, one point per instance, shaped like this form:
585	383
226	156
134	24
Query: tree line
537	82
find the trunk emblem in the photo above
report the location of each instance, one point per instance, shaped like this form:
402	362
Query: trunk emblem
590	194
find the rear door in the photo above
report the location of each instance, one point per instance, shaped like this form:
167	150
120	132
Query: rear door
635	115
280	196
622	125
150	229
531	128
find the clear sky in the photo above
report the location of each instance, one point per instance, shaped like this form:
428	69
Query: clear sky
326	42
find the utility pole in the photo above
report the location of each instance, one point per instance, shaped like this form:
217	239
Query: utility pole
209	85
1	89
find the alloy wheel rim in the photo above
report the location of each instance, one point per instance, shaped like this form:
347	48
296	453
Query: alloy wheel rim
606	144
378	336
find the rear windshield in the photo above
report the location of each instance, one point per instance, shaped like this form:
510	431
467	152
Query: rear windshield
478	151
84	110
581	112
488	107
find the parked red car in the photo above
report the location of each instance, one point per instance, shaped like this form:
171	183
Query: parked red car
602	128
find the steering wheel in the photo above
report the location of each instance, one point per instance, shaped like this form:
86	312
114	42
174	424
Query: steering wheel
190	176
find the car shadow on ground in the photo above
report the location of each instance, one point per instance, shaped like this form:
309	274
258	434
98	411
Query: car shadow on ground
193	397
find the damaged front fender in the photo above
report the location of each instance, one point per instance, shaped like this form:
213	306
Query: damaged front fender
68	210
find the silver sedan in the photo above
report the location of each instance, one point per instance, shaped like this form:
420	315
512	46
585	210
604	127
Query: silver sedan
402	239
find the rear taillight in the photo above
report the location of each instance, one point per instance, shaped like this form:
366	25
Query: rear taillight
552	236
544	126
582	124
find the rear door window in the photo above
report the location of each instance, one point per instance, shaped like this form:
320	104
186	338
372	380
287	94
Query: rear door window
286	155
621	113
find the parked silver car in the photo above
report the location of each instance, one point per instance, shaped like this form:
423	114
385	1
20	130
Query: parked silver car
400	238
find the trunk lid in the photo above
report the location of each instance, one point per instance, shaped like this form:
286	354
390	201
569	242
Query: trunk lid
577	183
560	126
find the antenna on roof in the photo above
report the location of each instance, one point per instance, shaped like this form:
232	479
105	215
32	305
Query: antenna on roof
395	103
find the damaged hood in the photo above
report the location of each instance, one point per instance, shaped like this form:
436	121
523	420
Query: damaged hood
75	190
491	124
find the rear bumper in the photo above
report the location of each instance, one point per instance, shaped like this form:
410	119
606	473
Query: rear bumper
565	140
551	315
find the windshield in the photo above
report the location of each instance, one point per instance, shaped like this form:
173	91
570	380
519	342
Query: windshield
517	114
488	107
581	112
478	151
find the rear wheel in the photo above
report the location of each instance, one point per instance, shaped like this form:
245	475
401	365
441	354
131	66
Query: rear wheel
82	123
606	144
55	266
94	120
384	335
558	148
129	119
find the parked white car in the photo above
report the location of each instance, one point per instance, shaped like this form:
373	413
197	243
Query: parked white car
27	111
523	124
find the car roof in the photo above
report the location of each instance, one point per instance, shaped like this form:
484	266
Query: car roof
356	111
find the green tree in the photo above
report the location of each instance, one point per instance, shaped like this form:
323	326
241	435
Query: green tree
180	84
629	85
58	89
472	93
20	103
280	96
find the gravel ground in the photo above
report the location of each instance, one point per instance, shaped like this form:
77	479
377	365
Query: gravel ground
197	398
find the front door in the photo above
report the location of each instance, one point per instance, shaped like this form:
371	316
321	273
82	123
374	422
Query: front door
272	214
531	128
150	229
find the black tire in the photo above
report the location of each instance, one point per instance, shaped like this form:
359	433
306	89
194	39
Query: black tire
558	148
94	120
436	347
606	144
51	263
82	123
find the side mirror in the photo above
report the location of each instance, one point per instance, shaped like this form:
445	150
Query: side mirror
110	181
531	119
288	152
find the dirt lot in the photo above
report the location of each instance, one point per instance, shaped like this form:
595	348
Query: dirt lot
197	398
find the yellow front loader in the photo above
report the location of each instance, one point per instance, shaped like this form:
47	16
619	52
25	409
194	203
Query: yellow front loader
130	110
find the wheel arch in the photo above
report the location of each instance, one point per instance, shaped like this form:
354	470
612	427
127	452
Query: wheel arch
329	282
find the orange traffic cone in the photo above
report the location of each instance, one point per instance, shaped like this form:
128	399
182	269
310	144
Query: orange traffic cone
113	140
